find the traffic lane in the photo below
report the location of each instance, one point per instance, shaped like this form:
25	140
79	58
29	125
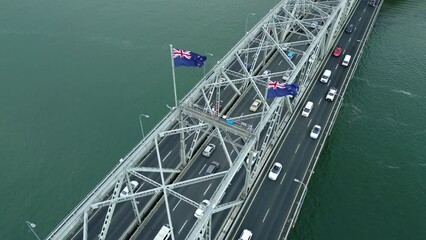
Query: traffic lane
281	210
193	192
294	168
306	130
182	213
256	217
321	114
184	219
231	194
201	162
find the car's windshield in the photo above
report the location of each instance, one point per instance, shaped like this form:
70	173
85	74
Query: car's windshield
275	169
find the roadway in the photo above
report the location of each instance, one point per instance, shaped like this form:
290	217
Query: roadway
267	212
182	212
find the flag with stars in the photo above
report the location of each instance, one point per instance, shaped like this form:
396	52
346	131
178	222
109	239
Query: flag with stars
187	58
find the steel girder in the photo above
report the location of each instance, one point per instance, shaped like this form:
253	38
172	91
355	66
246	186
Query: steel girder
269	38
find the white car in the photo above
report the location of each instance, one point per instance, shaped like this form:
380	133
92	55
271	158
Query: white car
246	235
326	76
199	213
256	104
331	93
126	191
316	130
275	171
266	73
209	150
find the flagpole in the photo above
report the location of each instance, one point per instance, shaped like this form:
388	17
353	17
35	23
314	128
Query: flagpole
173	71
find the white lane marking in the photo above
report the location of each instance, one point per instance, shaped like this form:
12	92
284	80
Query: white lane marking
343	53
176	205
180	230
328	84
265	215
282	180
297	148
207	189
350	39
359	19
280	62
202	169
354	29
319	101
309	124
232	152
166	156
337	65
299	37
364	9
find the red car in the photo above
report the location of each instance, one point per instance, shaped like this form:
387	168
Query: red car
337	51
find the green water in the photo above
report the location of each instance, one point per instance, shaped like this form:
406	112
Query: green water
75	75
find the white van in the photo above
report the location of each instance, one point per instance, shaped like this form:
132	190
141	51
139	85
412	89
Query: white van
307	109
163	234
326	76
346	61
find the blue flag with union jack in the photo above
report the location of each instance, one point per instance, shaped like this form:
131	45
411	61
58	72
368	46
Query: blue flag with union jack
187	58
280	89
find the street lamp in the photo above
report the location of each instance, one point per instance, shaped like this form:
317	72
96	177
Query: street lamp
210	54
140	122
171	108
250	14
305	189
31	226
297	180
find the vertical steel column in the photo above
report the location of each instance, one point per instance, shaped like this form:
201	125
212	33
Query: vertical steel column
163	185
134	204
85	222
183	159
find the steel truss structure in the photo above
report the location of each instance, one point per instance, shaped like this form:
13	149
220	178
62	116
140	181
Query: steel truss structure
207	112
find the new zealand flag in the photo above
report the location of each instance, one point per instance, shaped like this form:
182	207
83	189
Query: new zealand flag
277	89
187	58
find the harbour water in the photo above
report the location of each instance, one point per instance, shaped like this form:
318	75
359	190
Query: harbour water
75	75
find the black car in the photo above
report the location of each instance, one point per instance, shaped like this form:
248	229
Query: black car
212	168
372	3
349	28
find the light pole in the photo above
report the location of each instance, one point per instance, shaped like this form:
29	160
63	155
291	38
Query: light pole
171	108
140	122
299	204
31	226
210	54
250	14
